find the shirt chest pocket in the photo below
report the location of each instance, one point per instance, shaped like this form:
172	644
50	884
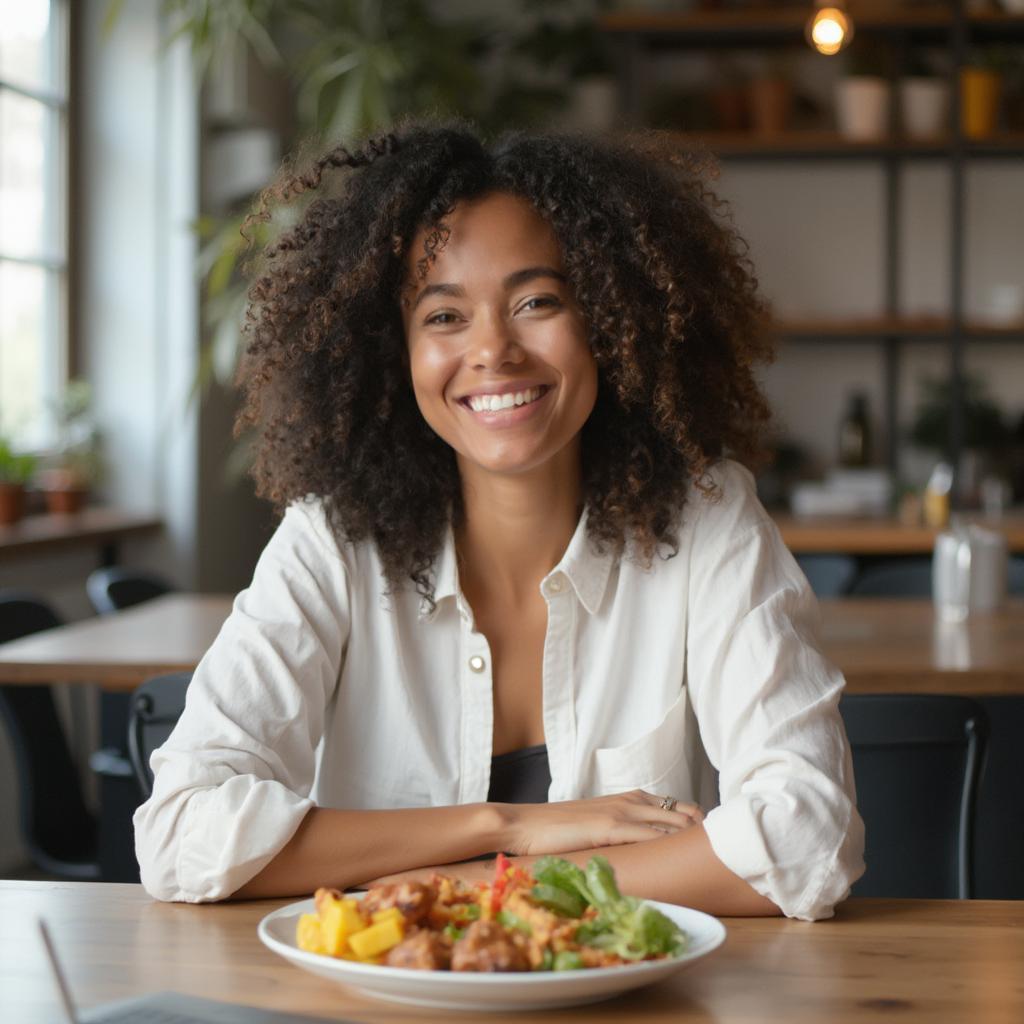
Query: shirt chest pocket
654	761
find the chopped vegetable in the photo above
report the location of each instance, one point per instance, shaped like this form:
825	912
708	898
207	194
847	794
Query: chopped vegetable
509	920
376	939
567	960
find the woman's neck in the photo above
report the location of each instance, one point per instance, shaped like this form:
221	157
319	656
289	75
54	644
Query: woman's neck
516	528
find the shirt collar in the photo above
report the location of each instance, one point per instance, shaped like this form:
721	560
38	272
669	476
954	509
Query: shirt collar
585	568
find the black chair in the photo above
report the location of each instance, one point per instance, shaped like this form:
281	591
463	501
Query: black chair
909	577
59	830
828	575
916	760
155	708
115	588
1015	576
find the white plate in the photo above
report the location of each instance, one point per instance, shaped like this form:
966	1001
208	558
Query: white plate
512	991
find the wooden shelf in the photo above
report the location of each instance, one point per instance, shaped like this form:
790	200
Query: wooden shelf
44	534
875	328
791	19
851	536
824	145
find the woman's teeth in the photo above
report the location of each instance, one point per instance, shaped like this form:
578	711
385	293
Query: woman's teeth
494	403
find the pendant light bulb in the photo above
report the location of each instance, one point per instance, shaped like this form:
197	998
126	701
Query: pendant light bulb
830	28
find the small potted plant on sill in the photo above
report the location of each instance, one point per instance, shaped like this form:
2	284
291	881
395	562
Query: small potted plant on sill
76	464
15	471
863	94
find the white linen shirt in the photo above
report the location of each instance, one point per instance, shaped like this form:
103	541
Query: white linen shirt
322	689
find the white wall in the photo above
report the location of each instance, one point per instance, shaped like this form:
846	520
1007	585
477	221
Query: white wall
816	233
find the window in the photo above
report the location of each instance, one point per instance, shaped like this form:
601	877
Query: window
33	216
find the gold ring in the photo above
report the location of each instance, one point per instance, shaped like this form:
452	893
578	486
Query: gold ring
668	803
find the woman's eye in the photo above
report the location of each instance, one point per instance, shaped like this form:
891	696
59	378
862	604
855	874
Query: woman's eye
539	302
442	319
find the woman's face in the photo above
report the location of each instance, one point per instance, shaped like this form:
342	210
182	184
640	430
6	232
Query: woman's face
498	349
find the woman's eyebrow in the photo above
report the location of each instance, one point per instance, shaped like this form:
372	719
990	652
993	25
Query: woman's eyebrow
513	280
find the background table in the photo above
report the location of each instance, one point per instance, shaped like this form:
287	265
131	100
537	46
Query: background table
908	960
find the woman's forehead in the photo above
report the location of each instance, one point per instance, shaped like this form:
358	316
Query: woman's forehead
492	232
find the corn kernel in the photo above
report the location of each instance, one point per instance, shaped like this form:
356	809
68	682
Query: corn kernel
376	939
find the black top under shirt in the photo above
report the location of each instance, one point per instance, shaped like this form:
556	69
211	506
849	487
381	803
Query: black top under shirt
520	777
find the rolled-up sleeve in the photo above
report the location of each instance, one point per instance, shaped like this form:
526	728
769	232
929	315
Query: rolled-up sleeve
767	700
233	781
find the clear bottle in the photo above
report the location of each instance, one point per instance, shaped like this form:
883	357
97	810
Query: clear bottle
855	433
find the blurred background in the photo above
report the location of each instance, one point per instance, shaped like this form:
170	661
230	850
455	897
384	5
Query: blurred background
880	188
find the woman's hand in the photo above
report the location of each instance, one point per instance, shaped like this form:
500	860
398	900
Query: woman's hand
632	817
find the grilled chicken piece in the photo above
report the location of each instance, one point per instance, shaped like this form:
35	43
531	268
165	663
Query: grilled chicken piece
486	947
413	899
423	950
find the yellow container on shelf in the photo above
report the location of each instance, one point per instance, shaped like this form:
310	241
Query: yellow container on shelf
979	102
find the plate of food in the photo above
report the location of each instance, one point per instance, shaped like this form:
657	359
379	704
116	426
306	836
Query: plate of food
558	936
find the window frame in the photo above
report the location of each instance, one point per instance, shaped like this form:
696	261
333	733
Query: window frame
60	262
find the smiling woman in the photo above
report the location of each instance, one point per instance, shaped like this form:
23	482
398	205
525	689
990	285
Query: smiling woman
521	598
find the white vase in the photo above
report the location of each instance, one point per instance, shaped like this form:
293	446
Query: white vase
924	105
862	108
594	103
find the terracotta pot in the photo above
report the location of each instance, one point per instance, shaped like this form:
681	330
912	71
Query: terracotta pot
731	105
979	102
771	100
65	501
12	503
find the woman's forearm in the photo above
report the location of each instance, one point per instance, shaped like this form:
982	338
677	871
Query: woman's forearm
680	868
344	848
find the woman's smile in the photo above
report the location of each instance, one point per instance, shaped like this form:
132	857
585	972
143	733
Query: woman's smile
506	406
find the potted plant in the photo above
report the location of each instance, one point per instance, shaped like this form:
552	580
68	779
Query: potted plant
771	98
863	94
924	99
76	464
985	433
15	471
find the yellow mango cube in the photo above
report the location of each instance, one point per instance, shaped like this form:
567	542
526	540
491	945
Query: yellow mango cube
391	914
308	935
376	939
338	920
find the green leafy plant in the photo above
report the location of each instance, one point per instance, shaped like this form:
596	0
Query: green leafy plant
984	426
15	468
77	458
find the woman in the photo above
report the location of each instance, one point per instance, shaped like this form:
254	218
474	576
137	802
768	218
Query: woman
520	599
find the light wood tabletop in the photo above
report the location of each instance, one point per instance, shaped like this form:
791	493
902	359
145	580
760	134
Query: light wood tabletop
864	536
901	646
908	960
168	634
882	646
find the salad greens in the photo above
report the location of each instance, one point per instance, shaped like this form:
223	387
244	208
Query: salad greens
624	925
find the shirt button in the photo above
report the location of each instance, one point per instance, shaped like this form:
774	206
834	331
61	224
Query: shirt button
555	585
476	663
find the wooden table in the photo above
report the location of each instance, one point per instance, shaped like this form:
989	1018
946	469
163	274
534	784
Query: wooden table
900	646
883	646
863	536
908	960
168	634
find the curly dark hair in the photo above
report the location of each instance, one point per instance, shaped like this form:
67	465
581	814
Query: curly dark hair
663	280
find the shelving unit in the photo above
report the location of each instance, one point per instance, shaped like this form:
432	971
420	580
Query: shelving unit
640	33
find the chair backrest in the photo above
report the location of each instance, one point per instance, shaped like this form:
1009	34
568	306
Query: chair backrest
155	709
115	587
58	829
909	577
828	575
916	760
1015	576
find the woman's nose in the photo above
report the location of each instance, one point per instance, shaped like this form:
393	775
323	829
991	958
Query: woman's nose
492	343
